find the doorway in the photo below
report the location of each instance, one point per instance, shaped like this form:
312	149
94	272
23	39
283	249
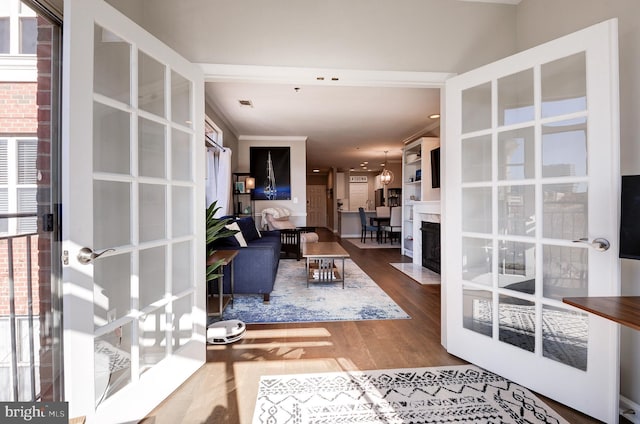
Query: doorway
317	205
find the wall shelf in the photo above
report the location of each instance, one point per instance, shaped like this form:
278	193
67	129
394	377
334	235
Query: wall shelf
416	165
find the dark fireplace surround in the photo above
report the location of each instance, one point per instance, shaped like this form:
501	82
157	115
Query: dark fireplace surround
431	245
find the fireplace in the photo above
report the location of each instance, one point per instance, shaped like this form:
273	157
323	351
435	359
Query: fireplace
431	245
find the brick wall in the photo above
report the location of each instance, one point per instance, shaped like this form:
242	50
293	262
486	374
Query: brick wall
44	131
18	107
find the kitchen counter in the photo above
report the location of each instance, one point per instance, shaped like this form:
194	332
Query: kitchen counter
349	223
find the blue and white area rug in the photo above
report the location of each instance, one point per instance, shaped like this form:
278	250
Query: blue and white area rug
292	301
463	393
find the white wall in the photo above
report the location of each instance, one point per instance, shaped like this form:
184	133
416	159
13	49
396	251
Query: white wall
539	21
298	203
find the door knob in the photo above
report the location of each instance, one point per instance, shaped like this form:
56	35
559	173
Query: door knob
86	255
600	244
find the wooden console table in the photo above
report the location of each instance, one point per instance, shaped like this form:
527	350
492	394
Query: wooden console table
227	257
624	310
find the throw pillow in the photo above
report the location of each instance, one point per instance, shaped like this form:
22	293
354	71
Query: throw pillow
248	227
238	236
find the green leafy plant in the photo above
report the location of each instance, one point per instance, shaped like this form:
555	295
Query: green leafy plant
216	229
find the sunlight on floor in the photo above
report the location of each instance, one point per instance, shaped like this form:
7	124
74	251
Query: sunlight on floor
271	352
247	375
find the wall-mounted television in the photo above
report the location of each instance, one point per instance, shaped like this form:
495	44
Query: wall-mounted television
435	168
630	217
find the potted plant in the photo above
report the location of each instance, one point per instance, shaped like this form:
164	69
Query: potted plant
216	229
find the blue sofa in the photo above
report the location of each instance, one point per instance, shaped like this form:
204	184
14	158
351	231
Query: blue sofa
256	265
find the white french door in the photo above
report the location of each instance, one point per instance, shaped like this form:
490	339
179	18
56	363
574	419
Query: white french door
531	167
133	197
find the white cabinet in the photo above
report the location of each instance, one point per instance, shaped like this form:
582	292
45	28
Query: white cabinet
416	185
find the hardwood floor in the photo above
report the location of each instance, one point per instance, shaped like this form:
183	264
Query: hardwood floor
225	388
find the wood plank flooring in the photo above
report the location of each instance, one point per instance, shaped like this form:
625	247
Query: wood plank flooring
225	388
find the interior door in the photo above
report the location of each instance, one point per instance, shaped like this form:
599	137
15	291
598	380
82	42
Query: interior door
532	177
317	205
133	198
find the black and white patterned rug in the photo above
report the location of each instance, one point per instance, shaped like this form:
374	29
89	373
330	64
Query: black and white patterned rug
451	394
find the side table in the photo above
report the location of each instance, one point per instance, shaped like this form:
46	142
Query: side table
227	257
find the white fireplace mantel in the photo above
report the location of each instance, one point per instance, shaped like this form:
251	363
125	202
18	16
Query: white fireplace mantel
423	211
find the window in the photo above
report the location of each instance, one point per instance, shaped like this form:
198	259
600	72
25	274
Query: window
28	35
18	183
4	35
18	28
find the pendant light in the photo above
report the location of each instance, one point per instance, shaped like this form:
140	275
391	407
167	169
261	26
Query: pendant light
386	177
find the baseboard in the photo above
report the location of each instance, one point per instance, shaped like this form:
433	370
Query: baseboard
630	410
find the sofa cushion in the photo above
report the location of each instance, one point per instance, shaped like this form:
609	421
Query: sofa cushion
248	227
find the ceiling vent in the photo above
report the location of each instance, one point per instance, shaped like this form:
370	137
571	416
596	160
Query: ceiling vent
245	103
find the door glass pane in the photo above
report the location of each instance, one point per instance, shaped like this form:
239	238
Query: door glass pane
112	60
151	85
182	321
181	156
516	154
564	86
476	108
517	324
112	361
153	339
180	100
476	210
517	210
152	275
111	288
566	272
152	212
478	311
517	266
565	335
515	98
111	214
476	159
182	267
565	210
476	260
182	201
564	148
111	140
151	153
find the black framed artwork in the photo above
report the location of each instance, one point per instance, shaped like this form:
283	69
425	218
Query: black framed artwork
271	167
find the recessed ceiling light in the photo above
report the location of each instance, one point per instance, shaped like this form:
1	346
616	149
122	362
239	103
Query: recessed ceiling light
245	103
434	116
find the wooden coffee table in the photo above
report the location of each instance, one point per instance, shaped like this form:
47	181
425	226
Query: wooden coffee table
321	262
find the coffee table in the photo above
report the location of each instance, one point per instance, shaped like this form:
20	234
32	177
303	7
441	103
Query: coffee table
321	262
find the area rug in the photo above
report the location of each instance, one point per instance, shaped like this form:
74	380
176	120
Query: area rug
292	301
372	244
460	394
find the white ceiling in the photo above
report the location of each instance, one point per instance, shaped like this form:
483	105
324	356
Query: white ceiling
344	125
